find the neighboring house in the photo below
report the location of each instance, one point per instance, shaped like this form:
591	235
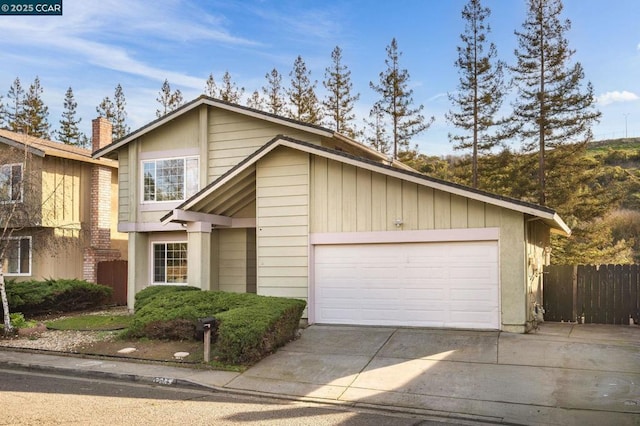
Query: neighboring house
71	199
223	197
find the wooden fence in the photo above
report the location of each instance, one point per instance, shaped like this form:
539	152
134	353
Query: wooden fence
114	274
605	294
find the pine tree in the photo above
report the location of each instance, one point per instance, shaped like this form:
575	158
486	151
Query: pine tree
377	136
15	107
169	101
36	113
481	89
255	101
230	92
120	127
551	108
339	102
3	112
106	109
274	93
396	102
210	87
69	132
302	95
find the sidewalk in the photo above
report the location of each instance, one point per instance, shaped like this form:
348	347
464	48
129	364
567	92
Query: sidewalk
565	374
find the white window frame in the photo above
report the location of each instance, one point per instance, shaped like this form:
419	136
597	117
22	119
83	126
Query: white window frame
186	193
152	262
6	259
10	183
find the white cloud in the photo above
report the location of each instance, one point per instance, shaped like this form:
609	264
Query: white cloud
616	96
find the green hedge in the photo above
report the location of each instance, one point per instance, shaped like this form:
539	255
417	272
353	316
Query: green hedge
144	296
249	326
65	295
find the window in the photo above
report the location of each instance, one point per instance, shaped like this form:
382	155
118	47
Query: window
173	179
18	256
11	183
170	263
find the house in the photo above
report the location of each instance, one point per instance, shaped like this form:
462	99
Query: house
64	205
224	197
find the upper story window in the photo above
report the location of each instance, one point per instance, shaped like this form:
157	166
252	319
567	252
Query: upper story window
11	183
171	179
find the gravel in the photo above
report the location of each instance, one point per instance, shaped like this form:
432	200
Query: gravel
56	340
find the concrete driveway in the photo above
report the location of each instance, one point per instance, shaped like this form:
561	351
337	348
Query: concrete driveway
564	374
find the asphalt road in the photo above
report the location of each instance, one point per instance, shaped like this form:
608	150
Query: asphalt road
34	398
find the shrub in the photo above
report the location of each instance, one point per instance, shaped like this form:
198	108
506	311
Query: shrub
250	326
66	295
144	296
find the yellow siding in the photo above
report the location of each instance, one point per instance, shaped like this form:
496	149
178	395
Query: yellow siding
232	137
65	193
282	223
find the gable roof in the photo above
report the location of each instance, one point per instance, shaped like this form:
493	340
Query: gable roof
547	215
44	147
249	112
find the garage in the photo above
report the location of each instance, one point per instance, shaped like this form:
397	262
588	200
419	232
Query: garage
432	284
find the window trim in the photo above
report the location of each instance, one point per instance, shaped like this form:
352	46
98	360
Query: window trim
152	265
184	158
21	198
20	274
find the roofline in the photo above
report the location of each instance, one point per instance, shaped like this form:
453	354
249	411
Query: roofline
412	176
21	145
42	149
206	100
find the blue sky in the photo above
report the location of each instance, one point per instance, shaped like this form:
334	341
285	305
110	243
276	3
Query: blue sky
96	45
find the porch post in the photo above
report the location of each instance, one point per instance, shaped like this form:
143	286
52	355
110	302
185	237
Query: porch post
198	254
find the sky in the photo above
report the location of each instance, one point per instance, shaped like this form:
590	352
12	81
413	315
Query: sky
96	45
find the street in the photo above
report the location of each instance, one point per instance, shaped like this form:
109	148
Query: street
30	398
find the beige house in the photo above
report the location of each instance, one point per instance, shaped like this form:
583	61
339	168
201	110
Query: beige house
67	203
223	197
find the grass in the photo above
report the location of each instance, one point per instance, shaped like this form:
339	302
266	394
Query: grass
91	322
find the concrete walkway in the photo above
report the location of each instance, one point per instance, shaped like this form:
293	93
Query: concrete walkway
564	374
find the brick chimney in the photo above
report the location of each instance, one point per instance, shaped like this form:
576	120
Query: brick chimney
99	248
100	133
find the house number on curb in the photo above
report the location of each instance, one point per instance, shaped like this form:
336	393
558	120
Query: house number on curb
164	381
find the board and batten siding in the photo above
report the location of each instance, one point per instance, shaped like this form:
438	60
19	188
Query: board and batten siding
65	193
124	179
345	198
282	187
232	266
233	137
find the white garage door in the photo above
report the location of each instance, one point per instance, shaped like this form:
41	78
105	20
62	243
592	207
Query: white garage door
452	284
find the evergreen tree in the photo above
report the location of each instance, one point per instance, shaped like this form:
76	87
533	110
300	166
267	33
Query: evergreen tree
230	92
3	112
255	101
377	136
551	108
169	101
36	113
339	102
396	102
481	89
106	109
120	126
15	107
69	132
302	95
274	93
210	87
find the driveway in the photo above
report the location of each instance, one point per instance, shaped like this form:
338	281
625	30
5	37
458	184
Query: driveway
562	374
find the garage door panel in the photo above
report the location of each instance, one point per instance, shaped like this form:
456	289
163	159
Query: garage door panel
413	284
